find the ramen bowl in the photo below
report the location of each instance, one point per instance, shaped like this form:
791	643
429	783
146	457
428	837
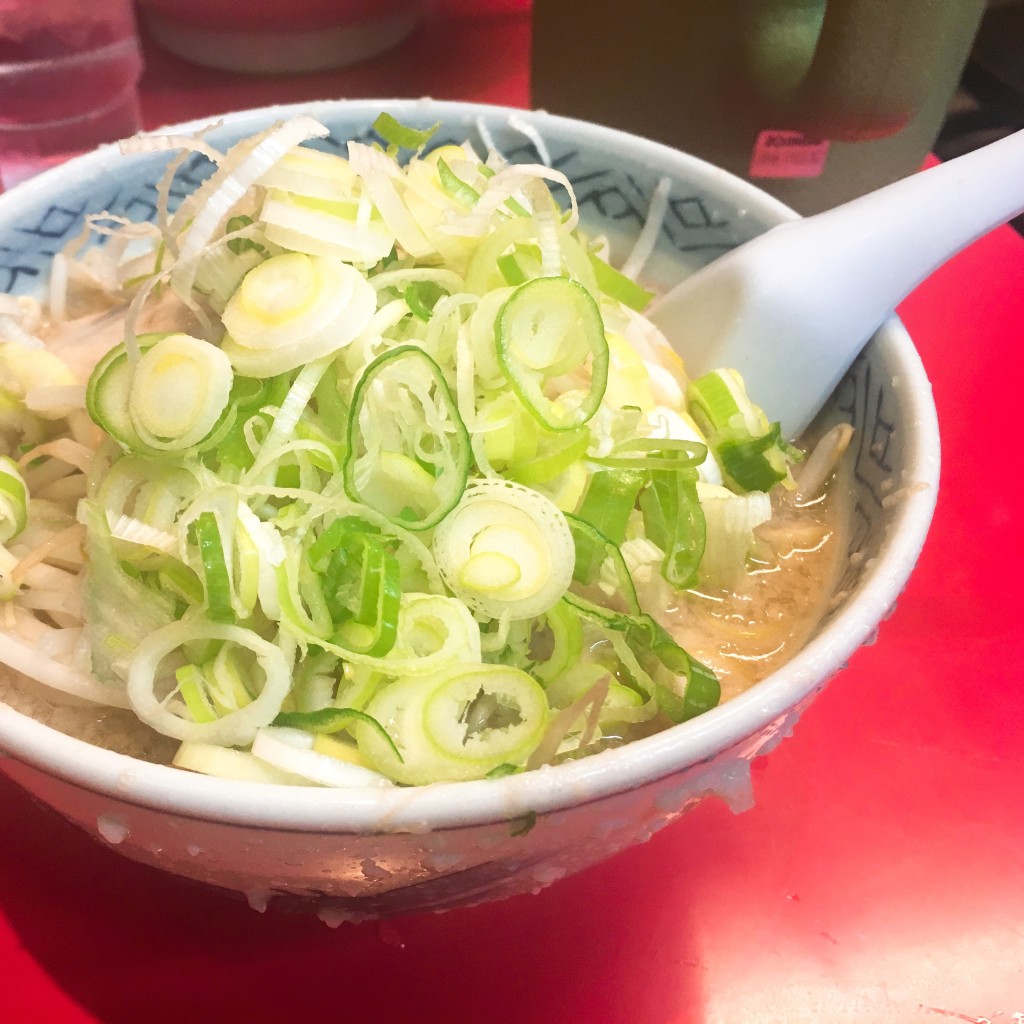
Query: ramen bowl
357	853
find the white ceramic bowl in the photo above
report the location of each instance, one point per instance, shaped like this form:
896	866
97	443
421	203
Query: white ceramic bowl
357	853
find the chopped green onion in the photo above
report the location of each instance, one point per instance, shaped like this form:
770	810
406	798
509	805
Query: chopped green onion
216	580
13	500
587	540
607	506
397	134
227	763
291	750
373	627
460	724
408	449
462	193
730	520
327	721
193	689
550	327
505	549
511	269
122	611
422	296
750	451
241	245
566	635
701	693
621	288
674	520
179	391
292	309
108	391
333	536
393	494
227	680
326	227
646	638
752	463
236	728
556	453
655	453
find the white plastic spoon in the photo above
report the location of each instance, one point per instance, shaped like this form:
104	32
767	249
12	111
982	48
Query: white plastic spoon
792	308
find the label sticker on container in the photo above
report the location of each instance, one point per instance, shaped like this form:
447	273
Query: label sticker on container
787	154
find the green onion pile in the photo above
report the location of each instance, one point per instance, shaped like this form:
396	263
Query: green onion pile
398	500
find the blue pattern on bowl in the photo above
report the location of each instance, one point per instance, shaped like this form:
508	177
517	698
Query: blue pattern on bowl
607	194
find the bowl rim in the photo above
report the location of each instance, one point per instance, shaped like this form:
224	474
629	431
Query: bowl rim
551	788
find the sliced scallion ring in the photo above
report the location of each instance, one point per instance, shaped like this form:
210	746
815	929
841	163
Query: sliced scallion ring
458	724
504	730
292	309
505	550
179	391
13	500
620	287
148	686
408	449
433	632
325	227
566	640
551	327
304	171
108	391
216	577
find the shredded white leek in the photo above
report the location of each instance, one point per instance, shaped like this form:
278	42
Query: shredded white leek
316	497
291	750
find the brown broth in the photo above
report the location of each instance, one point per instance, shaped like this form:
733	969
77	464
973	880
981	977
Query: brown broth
116	729
748	632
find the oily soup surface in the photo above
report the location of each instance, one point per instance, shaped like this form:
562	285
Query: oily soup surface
751	631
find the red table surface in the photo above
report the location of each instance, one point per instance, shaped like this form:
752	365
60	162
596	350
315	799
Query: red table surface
879	878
